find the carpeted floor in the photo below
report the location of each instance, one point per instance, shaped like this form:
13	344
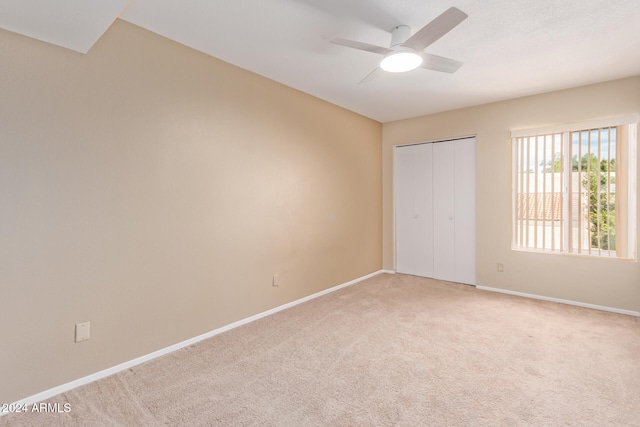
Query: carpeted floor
393	350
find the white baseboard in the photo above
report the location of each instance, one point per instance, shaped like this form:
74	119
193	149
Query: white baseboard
561	301
28	401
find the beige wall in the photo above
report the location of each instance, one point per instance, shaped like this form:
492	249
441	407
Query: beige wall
603	282
154	191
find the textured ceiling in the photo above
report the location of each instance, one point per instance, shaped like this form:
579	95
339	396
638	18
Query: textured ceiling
510	48
74	24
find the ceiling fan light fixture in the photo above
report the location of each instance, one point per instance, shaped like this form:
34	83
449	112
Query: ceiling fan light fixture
401	60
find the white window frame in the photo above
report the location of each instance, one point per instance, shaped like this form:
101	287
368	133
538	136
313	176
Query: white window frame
631	122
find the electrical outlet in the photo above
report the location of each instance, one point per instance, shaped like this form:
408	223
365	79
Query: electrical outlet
83	331
500	267
276	280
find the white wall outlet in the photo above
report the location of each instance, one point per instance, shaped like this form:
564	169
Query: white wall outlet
276	280
500	267
82	331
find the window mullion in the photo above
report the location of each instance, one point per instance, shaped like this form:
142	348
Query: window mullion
522	193
553	194
598	195
609	191
580	202
536	195
544	190
589	243
528	185
565	223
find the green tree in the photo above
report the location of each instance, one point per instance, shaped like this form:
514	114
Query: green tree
602	217
554	165
601	211
588	161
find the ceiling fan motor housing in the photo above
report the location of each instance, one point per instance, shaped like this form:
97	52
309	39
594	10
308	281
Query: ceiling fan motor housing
401	58
399	35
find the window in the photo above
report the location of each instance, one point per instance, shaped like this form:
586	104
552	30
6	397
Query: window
574	188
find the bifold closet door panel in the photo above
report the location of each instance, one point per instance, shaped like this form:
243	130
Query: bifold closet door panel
403	189
465	202
444	169
414	210
423	211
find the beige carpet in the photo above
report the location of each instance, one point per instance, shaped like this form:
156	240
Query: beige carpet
394	350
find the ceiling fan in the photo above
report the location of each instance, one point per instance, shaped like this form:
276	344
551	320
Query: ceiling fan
406	51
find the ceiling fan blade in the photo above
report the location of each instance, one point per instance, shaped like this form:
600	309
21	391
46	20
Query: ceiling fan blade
439	63
361	46
437	28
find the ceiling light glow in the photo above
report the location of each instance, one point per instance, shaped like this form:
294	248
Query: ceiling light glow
401	60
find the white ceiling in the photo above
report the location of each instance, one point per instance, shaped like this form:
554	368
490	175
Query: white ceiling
510	48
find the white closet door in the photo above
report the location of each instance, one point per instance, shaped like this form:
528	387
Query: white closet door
444	169
435	210
414	210
465	202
